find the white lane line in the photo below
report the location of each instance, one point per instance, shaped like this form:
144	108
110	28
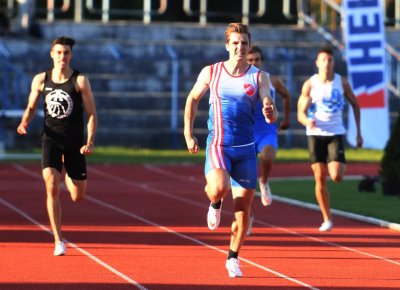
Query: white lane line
166	229
194	240
349	215
180	177
46	229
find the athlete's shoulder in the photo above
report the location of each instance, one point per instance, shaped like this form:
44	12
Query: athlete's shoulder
80	78
263	74
40	77
205	74
253	70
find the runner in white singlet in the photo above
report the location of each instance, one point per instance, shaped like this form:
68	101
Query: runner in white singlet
320	108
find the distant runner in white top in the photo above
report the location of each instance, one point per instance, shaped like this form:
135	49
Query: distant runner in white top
320	108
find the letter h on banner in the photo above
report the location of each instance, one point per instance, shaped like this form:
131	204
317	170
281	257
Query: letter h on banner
364	34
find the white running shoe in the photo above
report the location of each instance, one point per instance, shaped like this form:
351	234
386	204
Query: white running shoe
326	226
60	249
213	217
266	194
233	267
250	224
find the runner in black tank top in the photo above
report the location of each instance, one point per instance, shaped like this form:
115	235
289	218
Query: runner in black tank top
63	111
67	96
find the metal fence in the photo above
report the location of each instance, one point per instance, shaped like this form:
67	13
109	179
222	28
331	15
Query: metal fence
196	10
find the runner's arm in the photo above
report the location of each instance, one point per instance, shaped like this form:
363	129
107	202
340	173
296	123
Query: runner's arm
269	109
283	91
349	95
192	102
34	95
90	109
303	104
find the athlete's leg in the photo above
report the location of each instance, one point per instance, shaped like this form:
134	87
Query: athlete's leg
336	170
321	189
267	157
52	166
336	158
217	171
243	180
75	178
242	200
218	184
52	179
76	188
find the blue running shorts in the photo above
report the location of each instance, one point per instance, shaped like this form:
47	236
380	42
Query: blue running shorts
240	163
262	140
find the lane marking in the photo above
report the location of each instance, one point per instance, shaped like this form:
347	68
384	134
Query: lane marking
354	216
73	245
180	177
370	220
166	229
194	240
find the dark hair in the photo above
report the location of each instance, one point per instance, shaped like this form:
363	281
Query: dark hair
63	40
236	28
255	49
326	50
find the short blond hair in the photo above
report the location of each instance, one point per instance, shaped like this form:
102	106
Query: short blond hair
236	28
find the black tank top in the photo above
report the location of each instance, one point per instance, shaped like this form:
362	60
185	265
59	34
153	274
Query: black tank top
63	110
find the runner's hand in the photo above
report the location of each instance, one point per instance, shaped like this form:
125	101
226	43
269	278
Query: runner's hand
268	111
192	145
284	126
22	129
87	149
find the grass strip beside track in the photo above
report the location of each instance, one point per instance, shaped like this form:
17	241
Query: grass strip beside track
344	196
130	155
125	155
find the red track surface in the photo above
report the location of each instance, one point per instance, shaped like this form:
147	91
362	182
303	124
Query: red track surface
144	227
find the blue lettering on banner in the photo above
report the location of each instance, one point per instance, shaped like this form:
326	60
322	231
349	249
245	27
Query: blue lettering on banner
365	51
366	65
366	58
362	3
364	27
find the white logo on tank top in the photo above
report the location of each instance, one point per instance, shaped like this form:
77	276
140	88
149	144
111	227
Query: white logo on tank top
59	104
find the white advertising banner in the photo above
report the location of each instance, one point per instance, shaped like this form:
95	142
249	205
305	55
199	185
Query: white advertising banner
364	34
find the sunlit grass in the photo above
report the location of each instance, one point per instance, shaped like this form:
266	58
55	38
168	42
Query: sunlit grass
352	155
131	155
344	196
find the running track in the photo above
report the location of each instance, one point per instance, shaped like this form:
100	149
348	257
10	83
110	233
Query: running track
143	227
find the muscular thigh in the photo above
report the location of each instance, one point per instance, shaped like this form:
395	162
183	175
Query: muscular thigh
240	163
244	167
217	158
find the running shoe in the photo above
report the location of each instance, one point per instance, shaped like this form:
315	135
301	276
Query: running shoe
60	249
266	194
326	226
233	267
213	217
250	224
